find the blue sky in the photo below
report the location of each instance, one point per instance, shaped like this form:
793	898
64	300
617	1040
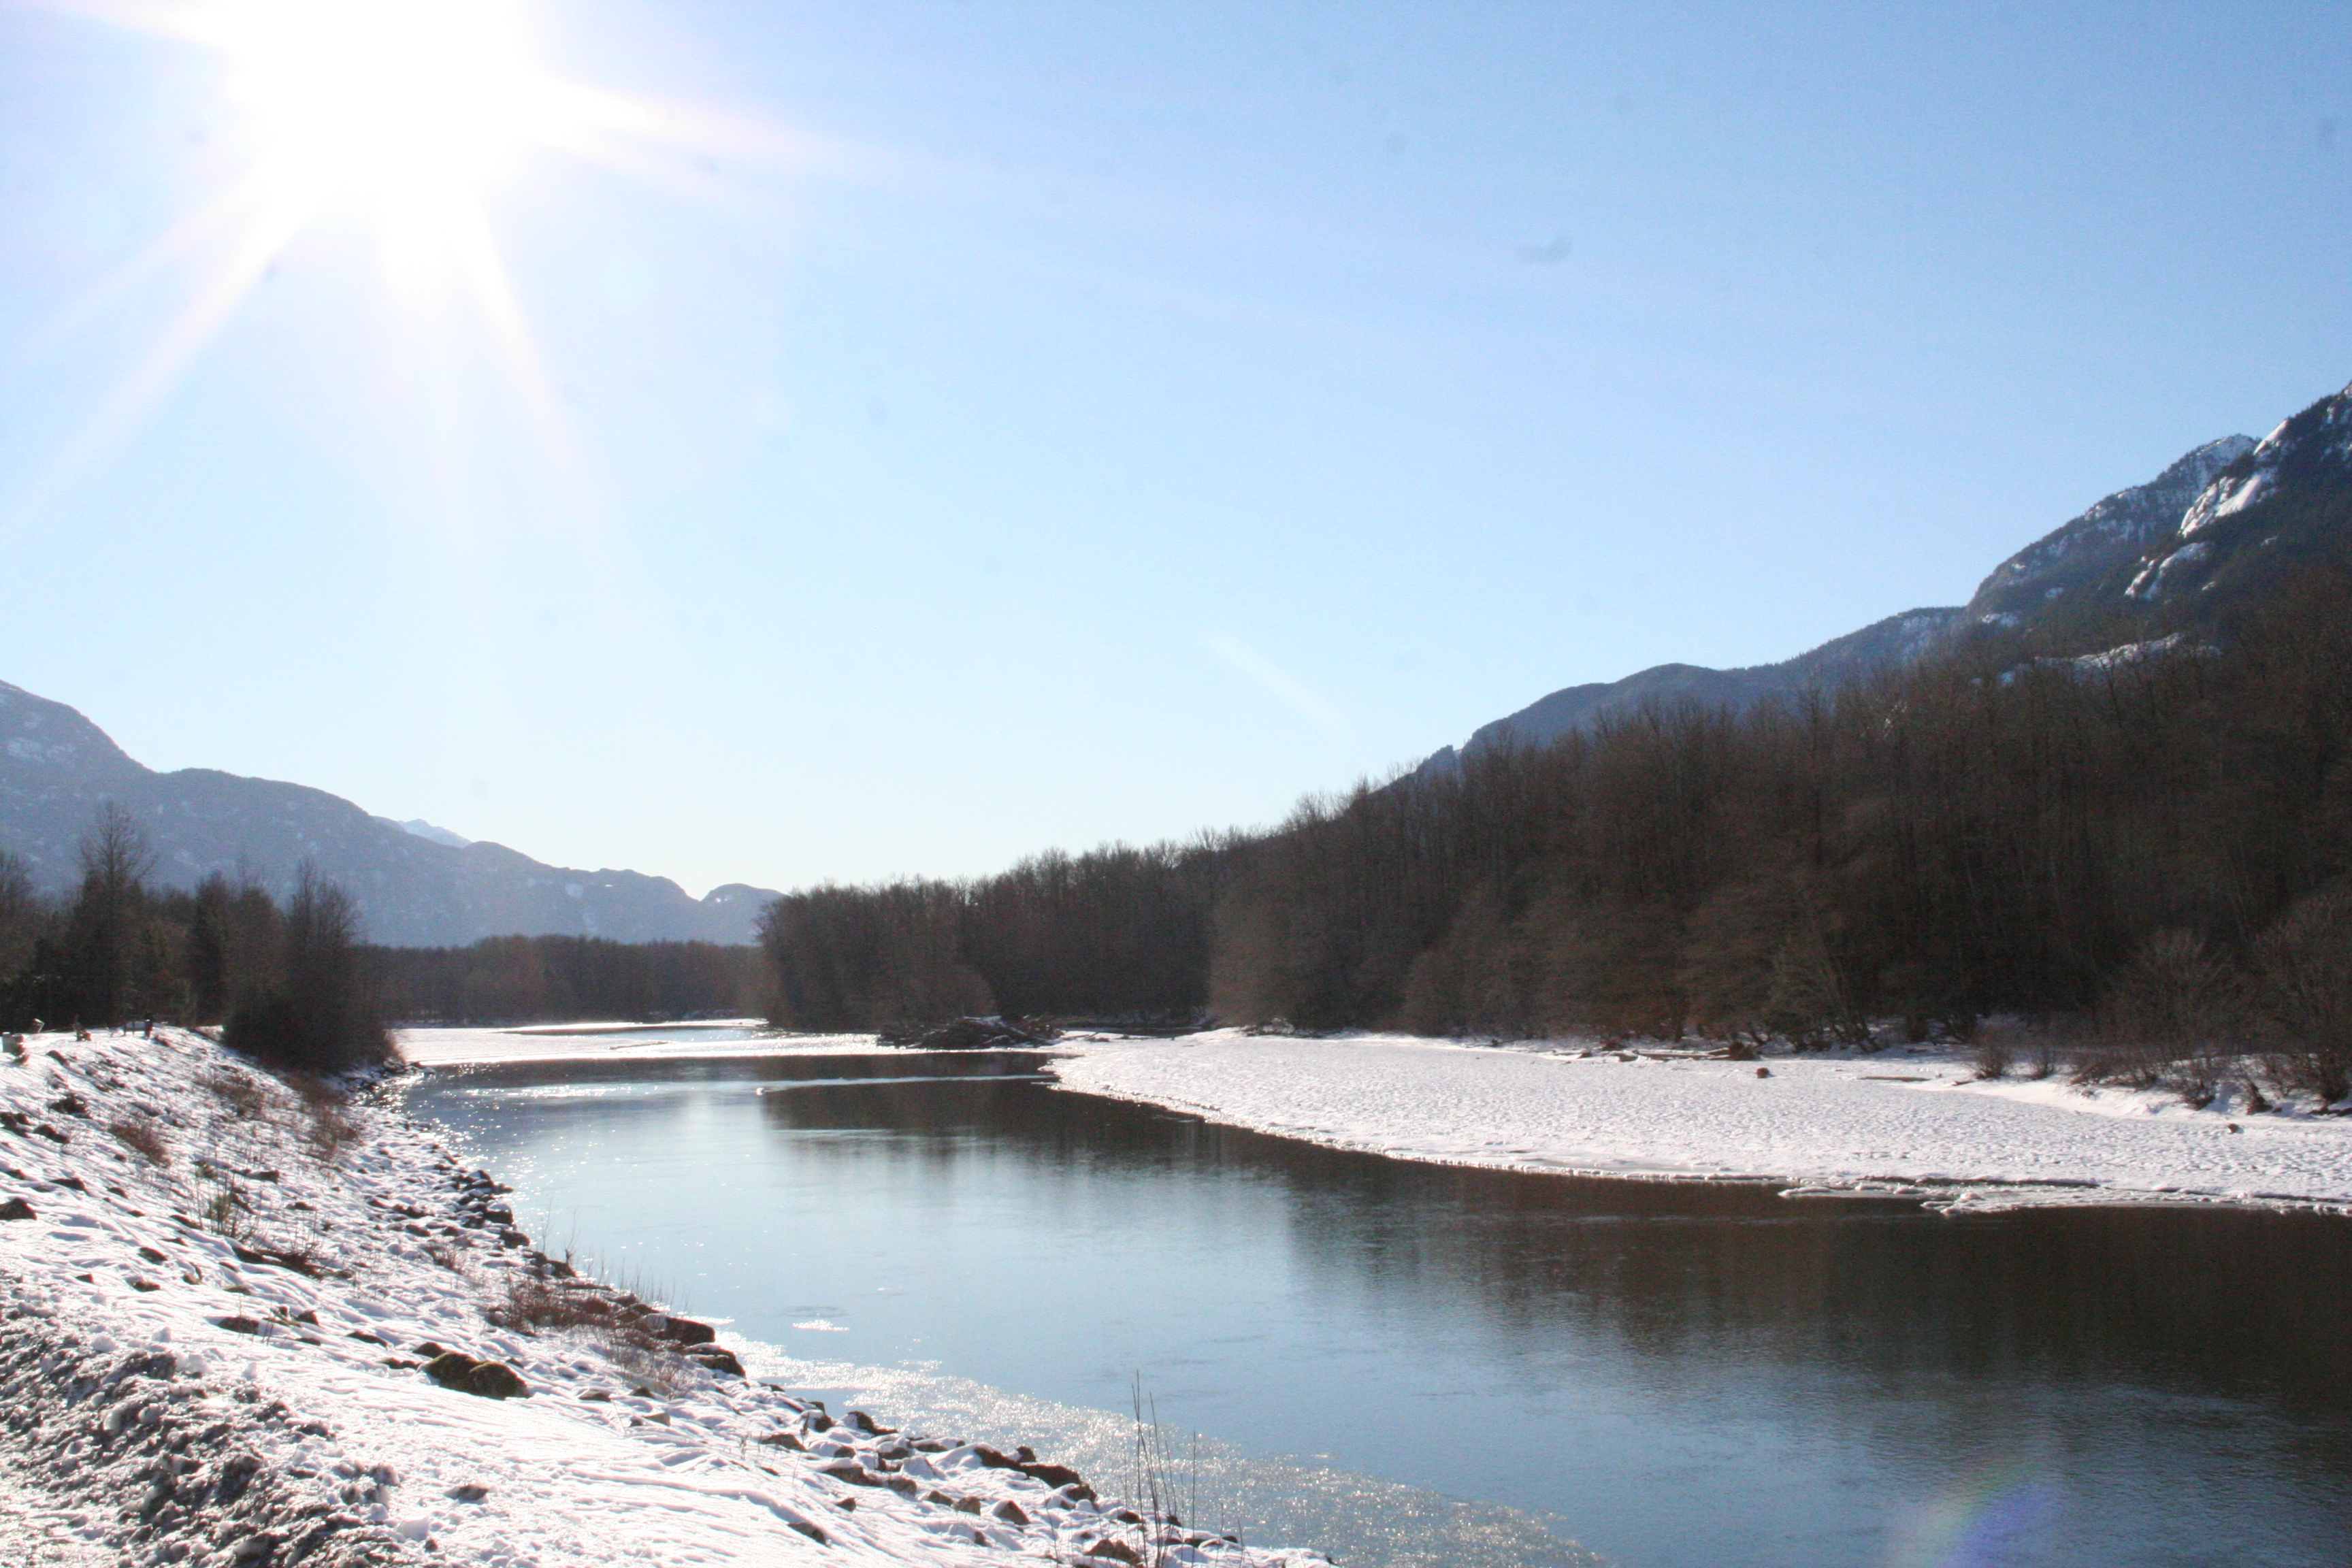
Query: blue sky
949	430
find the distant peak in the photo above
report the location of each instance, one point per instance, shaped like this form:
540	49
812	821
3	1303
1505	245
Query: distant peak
423	830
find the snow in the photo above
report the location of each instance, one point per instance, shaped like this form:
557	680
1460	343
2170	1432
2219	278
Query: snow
213	1357
1845	1123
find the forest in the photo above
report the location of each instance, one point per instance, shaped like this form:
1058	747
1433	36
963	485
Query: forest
287	983
2147	852
295	980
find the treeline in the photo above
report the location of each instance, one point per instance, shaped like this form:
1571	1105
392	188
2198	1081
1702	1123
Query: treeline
1989	832
285	981
1119	933
555	979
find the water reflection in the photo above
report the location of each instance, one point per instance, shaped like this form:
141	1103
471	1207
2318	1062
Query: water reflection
1683	1374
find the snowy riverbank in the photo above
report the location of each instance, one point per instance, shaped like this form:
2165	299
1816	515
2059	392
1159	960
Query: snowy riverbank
217	1302
1895	1122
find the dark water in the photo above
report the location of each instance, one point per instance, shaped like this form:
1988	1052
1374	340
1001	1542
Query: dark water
1673	1376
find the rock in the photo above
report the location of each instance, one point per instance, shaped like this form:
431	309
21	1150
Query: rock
864	1423
774	1440
1763	1072
851	1471
485	1379
239	1325
469	1491
968	1505
18	1208
1010	1512
715	1359
678	1330
1055	1475
1115	1551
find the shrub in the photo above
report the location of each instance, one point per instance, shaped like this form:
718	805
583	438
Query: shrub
2303	992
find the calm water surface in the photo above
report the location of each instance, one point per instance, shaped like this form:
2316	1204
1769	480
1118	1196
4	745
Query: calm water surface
1669	1377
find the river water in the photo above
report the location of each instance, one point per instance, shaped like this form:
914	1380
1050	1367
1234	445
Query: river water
1413	1365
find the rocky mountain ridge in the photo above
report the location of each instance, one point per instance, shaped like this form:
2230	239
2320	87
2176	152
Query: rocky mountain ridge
2214	531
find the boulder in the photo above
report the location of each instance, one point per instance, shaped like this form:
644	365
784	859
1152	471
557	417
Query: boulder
485	1379
678	1330
715	1359
16	1208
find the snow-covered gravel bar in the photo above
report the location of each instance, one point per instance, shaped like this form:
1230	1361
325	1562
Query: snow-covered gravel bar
218	1301
1892	1121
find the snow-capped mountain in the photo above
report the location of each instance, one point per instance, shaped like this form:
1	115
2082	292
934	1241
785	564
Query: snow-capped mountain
2280	505
414	888
2159	565
2078	554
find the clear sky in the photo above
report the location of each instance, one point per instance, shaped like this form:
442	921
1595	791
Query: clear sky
856	439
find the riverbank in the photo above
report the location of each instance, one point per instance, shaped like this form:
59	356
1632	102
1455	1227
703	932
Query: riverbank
1907	1122
219	1300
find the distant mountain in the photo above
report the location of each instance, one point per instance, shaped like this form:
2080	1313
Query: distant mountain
2220	528
417	886
423	830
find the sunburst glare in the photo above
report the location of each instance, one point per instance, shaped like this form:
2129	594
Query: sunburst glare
404	111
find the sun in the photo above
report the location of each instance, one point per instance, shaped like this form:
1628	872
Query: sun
403	111
409	115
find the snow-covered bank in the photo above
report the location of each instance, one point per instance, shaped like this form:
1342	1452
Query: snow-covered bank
216	1300
1911	1123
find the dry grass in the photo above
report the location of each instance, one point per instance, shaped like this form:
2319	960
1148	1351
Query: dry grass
240	1091
140	1136
330	1127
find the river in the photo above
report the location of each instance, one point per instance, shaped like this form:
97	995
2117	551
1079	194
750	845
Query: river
1411	1365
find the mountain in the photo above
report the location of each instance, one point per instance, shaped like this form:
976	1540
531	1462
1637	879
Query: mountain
1897	640
2075	557
417	886
2170	559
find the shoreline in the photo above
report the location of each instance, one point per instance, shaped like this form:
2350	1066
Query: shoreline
219	1302
1911	1123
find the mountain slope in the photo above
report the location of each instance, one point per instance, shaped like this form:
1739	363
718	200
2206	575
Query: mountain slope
55	766
1896	640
